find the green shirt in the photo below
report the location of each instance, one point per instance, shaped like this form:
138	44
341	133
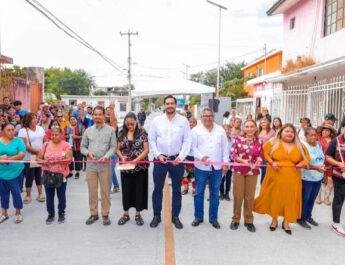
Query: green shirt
11	170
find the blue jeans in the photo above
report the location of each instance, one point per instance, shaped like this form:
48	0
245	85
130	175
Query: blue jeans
114	180
159	174
61	194
263	172
141	123
214	177
310	189
13	186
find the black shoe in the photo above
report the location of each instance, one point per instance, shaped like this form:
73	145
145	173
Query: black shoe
197	222
106	220
221	196
61	218
227	197
312	222
273	228
250	227
234	225
91	219
304	224
77	175
176	221
215	224
50	219
155	221
69	175
124	219
288	231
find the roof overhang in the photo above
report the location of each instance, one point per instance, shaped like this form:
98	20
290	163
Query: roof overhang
261	59
281	6
336	64
4	59
263	78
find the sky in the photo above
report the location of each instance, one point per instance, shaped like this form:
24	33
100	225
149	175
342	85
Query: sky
171	33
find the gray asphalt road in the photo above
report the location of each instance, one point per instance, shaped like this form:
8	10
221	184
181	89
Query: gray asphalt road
74	243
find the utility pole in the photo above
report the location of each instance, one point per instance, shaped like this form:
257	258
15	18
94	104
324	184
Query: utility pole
187	66
220	20
129	34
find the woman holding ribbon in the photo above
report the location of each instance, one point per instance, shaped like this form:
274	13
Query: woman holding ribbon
11	148
133	146
246	149
281	190
52	153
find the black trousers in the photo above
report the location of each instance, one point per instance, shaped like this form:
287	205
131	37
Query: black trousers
339	197
77	166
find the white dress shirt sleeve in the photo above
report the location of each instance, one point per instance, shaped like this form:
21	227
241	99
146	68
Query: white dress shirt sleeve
187	141
225	147
153	140
196	152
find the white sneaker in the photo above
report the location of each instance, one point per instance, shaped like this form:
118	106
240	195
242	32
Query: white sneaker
336	227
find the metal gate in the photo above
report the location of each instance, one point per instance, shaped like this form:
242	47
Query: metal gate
313	101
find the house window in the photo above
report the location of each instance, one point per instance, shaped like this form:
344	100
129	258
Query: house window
334	16
260	71
74	102
292	23
123	106
250	75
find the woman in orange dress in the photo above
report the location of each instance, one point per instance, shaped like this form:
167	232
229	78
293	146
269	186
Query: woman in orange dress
281	191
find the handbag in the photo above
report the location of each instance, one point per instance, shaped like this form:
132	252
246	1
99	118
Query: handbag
341	157
51	179
33	157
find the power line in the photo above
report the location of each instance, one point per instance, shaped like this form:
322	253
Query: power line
67	30
226	60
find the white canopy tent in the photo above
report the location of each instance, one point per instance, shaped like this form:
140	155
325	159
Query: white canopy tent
168	86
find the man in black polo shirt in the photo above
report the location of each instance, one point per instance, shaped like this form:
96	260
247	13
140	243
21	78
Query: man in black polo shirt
335	156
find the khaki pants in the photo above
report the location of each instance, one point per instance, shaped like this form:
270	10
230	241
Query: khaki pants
104	180
244	188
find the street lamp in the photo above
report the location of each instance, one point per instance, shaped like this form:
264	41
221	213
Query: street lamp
218	70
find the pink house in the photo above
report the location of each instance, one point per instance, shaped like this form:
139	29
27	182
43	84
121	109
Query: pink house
314	29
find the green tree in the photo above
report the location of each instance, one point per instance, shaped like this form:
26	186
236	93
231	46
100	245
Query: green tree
66	81
231	77
100	93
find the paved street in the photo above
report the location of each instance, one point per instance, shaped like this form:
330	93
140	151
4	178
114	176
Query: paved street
35	243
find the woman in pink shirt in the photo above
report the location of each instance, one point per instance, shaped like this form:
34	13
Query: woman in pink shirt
247	149
52	154
265	134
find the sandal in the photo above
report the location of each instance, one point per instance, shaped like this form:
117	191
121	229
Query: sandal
139	220
27	200
41	198
3	218
18	219
124	219
184	192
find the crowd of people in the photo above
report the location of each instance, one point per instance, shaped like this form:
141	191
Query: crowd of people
295	165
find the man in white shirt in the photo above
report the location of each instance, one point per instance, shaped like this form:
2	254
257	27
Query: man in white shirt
169	140
209	145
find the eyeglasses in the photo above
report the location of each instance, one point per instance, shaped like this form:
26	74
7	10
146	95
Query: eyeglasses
59	116
207	116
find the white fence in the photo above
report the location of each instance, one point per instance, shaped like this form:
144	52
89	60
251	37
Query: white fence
313	101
